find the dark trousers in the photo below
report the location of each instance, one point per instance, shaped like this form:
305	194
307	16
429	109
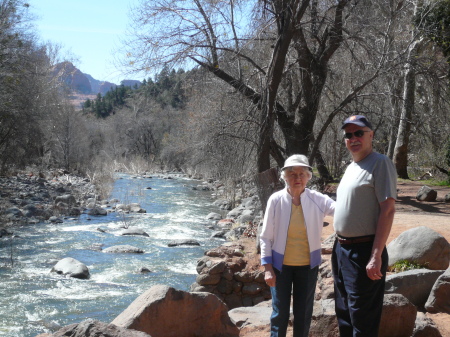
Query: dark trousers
300	281
358	299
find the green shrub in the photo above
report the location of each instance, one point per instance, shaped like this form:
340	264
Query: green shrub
404	265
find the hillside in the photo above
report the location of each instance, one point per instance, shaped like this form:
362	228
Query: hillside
83	86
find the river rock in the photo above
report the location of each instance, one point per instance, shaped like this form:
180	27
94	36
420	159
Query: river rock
223	204
439	299
175	243
163	311
4	232
136	208
31	210
72	268
235	233
68	199
219	234
225	223
420	245
97	211
134	231
55	219
235	212
122	207
13	212
91	204
94	328
247	215
213	216
123	249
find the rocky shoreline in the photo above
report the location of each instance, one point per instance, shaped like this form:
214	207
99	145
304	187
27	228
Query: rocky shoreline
28	198
231	272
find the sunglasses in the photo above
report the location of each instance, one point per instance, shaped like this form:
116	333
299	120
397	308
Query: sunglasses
357	134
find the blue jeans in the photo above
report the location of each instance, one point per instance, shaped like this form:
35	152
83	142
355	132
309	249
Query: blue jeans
301	282
359	300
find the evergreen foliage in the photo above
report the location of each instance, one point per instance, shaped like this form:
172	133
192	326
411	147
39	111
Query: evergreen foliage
103	106
166	90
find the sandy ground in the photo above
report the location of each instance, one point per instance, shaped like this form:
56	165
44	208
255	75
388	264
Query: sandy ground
410	213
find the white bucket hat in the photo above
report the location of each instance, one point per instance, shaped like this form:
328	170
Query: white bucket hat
296	160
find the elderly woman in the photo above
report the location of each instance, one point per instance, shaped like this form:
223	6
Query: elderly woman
291	246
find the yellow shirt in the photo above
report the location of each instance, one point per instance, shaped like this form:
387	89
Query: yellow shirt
297	246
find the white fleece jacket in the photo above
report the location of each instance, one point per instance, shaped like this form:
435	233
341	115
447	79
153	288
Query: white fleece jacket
276	224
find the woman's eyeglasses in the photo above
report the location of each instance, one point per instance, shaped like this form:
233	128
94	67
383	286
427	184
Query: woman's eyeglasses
357	134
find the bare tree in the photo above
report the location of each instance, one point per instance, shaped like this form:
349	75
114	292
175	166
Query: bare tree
285	82
206	33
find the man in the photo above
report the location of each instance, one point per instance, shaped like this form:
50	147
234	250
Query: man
365	208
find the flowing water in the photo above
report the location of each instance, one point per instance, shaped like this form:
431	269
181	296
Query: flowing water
33	300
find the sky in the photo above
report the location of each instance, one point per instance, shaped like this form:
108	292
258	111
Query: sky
90	30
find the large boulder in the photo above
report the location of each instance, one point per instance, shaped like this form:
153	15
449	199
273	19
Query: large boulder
439	299
425	327
94	328
426	193
398	317
420	245
72	268
415	285
163	311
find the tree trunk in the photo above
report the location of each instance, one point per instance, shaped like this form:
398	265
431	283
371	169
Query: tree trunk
395	112
404	128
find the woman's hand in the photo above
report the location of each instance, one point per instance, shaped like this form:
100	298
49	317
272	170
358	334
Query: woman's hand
269	275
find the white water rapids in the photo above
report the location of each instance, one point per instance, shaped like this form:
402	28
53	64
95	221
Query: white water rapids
34	301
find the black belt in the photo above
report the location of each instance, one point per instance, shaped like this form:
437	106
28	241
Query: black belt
358	239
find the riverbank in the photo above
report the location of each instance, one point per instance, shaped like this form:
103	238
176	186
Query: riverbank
410	213
29	198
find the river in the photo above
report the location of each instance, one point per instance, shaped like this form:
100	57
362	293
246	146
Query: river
34	300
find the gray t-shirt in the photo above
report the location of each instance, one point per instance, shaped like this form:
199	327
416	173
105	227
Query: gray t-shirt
363	187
